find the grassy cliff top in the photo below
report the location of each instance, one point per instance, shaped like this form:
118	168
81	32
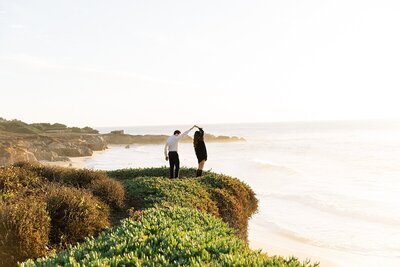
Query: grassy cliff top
20	127
61	217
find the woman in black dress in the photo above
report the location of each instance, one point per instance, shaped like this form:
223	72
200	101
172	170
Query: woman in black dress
200	149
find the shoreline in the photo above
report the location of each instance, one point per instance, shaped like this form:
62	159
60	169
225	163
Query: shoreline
74	162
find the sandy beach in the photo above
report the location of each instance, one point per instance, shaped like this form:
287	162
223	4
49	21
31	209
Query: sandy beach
273	243
280	250
74	162
77	163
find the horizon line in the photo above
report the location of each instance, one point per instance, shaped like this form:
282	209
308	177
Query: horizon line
263	122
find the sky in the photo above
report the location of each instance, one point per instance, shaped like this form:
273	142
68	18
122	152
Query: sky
126	62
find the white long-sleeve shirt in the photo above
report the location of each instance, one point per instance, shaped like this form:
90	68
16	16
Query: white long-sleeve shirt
172	142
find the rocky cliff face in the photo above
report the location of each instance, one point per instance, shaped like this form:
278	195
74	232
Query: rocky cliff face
56	147
12	154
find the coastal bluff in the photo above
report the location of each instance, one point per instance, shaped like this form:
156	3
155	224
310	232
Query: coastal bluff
119	137
53	216
49	147
60	146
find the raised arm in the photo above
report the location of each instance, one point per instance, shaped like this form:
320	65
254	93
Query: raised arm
186	132
200	129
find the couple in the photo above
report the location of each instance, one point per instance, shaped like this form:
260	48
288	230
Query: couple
171	151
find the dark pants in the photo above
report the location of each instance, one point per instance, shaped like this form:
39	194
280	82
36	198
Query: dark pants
173	163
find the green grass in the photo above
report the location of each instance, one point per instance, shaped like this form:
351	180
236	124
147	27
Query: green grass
123	174
148	192
220	195
165	237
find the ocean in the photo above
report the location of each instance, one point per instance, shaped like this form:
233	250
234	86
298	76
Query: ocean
324	187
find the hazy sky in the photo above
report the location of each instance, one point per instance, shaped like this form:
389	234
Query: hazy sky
109	63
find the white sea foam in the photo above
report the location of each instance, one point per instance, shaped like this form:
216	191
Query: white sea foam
271	166
359	209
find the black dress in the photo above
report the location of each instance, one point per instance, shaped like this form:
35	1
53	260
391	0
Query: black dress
200	148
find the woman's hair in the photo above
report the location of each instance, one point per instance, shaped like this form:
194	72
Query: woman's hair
197	137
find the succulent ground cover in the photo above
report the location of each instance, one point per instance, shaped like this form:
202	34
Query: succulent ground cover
165	237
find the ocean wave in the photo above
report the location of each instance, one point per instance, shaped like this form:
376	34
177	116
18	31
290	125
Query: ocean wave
358	249
269	165
322	205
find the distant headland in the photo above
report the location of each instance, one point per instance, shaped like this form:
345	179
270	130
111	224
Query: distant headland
20	141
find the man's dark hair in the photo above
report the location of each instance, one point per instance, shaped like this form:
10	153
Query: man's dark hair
177	132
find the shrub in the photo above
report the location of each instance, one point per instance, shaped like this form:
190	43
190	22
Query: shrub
109	191
74	214
165	237
89	130
16	126
236	201
24	230
74	177
42	127
151	192
15	181
235	187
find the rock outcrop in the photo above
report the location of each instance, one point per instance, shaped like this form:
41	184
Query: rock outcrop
11	154
49	147
60	146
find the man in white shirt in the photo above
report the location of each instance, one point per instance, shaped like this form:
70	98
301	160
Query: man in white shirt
171	151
